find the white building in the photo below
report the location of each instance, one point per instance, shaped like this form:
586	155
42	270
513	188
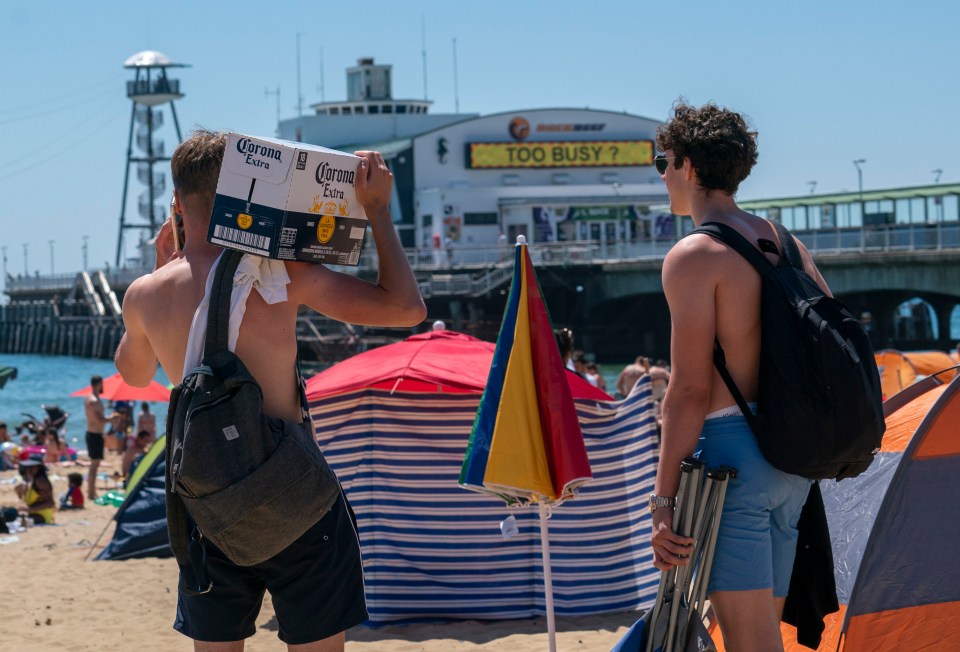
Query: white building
554	175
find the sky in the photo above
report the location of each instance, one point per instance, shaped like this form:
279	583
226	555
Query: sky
824	82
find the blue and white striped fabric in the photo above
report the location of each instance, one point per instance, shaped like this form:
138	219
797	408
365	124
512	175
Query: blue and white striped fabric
434	550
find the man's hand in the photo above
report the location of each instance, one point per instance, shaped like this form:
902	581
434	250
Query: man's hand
166	251
374	184
669	548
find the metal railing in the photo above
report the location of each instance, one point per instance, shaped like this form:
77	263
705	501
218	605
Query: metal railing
891	238
451	269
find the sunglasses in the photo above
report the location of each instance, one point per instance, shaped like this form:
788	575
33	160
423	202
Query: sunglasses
661	162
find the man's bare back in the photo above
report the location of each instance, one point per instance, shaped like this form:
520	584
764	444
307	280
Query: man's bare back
266	343
159	307
736	298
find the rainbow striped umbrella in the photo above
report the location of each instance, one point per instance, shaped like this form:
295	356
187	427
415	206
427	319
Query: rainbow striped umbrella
526	445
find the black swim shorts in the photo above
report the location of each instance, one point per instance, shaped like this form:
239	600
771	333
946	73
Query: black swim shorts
316	584
95	445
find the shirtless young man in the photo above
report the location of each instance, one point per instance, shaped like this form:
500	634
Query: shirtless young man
316	584
713	291
96	422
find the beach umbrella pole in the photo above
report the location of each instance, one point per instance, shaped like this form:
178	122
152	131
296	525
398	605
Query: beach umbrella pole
547	575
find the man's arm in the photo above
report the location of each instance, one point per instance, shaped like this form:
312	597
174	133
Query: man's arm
135	358
690	289
394	300
811	268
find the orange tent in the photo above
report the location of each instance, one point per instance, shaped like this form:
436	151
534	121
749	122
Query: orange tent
900	369
894	531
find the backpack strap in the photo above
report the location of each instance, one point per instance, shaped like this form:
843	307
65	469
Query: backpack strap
791	252
732	238
218	312
720	362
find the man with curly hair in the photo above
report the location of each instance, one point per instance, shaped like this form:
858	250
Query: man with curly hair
712	291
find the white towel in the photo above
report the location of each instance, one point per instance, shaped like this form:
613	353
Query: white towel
270	279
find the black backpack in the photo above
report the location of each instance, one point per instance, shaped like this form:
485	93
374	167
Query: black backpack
251	484
820	412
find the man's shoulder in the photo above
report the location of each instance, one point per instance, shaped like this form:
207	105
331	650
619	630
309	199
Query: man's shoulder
696	253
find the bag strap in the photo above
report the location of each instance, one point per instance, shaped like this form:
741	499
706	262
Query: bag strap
732	238
218	318
720	362
218	312
790	252
177	527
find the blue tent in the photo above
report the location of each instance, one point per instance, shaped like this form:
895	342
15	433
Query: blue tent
142	517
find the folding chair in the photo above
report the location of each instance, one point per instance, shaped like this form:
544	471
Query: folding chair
674	623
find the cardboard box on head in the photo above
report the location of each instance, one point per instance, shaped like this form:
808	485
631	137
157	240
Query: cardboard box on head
288	201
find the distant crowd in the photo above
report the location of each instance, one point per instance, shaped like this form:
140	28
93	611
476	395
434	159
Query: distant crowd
36	446
580	363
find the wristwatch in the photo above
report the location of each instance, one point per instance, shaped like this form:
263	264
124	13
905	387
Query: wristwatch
656	502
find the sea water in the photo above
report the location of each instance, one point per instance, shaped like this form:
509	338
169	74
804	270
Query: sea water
49	380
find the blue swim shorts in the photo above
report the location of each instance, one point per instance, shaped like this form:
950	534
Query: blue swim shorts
757	541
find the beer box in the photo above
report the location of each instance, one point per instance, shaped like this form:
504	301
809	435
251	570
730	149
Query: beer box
288	201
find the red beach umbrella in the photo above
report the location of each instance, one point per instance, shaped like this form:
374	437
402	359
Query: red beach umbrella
114	389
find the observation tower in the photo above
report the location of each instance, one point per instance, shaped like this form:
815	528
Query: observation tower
150	89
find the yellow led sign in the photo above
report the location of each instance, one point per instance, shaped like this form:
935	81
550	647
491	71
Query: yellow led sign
570	154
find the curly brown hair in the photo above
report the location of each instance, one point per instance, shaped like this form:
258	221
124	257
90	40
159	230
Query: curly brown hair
195	165
720	146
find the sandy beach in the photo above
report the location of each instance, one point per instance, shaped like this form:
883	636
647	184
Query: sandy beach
55	601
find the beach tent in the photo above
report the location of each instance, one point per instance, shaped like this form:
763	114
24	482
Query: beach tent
900	369
432	550
894	532
141	529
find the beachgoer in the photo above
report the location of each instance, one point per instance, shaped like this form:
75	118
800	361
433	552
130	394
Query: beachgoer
96	422
6	459
121	426
73	499
594	377
631	374
579	359
52	447
138	447
317	582
659	379
564	337
147	420
712	291
36	491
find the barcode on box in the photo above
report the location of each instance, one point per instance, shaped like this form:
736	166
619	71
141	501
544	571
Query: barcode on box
288	237
252	241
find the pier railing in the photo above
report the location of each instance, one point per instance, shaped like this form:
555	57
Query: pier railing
454	261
